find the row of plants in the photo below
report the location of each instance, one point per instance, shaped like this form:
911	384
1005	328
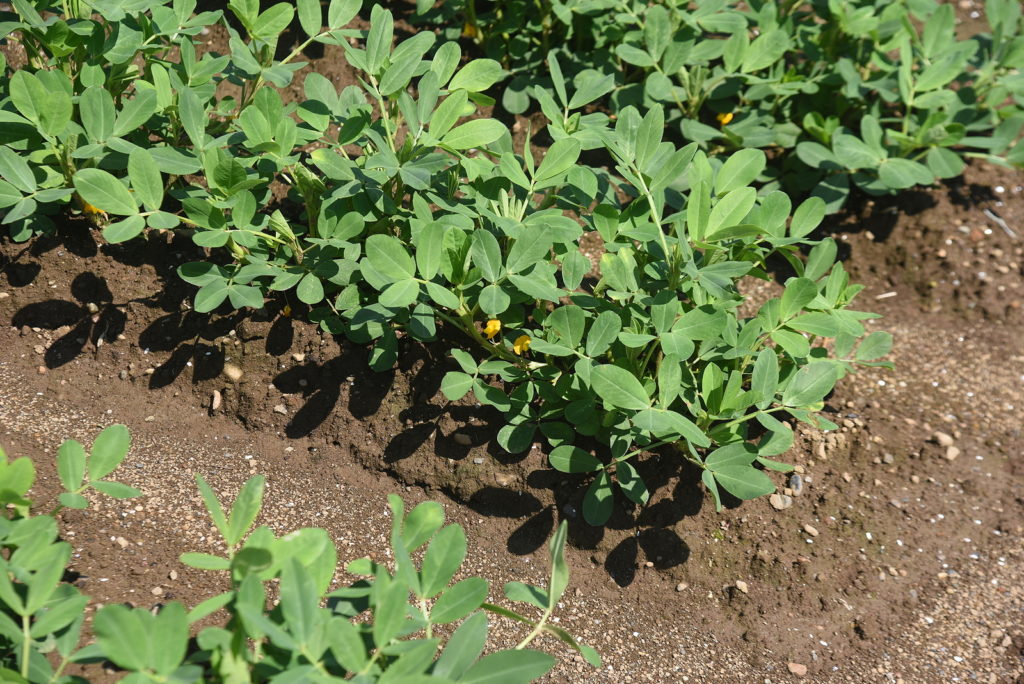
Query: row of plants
877	95
406	216
407	621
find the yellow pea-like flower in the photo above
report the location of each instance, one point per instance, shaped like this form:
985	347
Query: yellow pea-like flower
469	30
286	311
492	328
521	345
724	118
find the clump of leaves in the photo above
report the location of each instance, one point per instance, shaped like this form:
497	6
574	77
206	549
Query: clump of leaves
876	95
367	631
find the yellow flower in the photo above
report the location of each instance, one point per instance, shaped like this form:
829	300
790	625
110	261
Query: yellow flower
492	328
469	30
90	210
724	118
521	345
286	311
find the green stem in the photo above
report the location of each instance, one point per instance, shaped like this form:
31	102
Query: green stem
26	644
535	631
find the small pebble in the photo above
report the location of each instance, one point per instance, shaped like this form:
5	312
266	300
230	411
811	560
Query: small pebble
478	461
811	530
780	501
232	372
682	586
215	400
796	483
942	439
742	586
798	669
951	453
280	408
298	357
157	591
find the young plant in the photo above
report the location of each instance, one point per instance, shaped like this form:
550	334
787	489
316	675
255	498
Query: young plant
41	616
367	631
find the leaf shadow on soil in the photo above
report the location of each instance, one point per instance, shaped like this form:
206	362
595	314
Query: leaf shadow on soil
91	318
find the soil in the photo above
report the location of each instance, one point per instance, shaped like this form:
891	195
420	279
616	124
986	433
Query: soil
899	560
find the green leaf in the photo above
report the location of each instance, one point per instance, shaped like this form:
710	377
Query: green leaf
494	300
310	16
807	216
145	178
486	254
875	346
619	387
401	294
509	667
108	451
810	384
477	76
444	556
388	255
631	484
739	170
421	524
463	648
730	210
16	171
447	113
116	490
744	482
76	501
271	23
598	500
50	108
310	289
105	192
799	293
96	107
571	459
71	464
212	505
125	230
475	133
341	12
459	600
603	332
245	509
904	173
764	381
944	162
560	157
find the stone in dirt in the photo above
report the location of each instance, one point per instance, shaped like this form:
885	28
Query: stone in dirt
951	453
796	483
798	669
780	501
215	400
742	586
232	372
942	439
280	408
